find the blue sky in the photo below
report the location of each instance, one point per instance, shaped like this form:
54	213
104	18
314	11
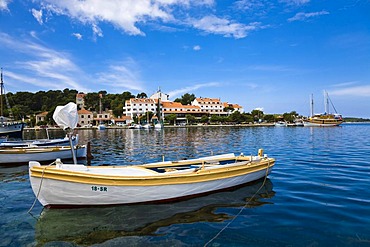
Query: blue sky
270	55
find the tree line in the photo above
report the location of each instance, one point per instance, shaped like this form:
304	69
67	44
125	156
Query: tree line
25	105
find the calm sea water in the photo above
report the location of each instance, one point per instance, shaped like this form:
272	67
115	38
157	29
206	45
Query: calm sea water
317	194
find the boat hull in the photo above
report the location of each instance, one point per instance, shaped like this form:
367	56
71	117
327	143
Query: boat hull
42	154
12	130
322	124
86	187
41	142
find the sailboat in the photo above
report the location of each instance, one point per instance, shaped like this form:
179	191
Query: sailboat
147	125
8	127
325	119
159	124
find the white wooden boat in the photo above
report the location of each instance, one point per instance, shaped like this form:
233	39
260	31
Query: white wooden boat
64	185
22	155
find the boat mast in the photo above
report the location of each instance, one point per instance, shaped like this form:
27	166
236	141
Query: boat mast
1	93
326	102
311	106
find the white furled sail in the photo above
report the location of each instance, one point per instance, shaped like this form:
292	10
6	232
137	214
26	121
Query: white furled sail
66	116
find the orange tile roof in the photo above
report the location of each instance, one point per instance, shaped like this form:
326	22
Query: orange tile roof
42	113
135	100
208	100
84	111
170	104
122	118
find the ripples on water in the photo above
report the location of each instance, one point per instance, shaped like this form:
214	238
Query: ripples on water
316	195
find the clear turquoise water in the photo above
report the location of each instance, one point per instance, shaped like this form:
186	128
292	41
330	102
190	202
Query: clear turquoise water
317	194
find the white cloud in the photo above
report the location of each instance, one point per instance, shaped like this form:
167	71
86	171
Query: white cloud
128	15
359	91
97	31
124	15
225	27
295	2
121	76
301	16
4	4
196	48
46	68
178	92
271	68
77	35
43	66
37	15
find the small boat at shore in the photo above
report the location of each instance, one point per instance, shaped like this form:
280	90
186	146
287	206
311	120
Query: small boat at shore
22	155
80	185
281	124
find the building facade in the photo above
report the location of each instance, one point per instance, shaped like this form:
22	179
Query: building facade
137	107
80	100
210	105
41	117
85	118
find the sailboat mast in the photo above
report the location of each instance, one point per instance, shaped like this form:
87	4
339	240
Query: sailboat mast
326	102
1	93
311	106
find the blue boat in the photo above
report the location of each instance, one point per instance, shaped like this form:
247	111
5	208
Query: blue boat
8	128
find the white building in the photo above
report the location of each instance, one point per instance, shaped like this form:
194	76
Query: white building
138	107
210	105
160	95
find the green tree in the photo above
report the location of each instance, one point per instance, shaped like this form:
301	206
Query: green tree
186	99
171	118
142	96
270	118
190	119
204	119
215	119
92	101
257	114
236	117
228	109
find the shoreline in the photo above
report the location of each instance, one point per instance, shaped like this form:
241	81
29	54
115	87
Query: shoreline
165	126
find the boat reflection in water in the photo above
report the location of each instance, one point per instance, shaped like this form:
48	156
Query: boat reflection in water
88	226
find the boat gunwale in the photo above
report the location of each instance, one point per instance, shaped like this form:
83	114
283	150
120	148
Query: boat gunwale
37	149
193	175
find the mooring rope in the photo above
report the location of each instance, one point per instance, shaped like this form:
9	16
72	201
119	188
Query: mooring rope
241	210
38	192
